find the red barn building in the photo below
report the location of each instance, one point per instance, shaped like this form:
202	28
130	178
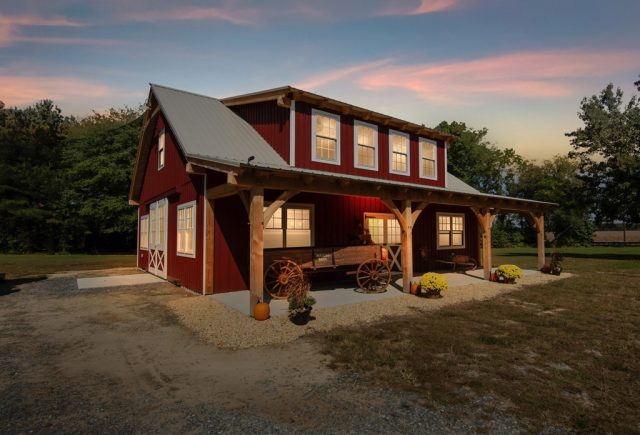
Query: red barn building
219	182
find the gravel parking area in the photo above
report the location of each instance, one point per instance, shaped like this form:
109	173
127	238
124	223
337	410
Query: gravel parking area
225	327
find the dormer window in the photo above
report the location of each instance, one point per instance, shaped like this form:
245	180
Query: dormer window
398	153
325	141
428	159
161	150
365	139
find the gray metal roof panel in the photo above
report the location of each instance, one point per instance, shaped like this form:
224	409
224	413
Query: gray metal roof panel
207	129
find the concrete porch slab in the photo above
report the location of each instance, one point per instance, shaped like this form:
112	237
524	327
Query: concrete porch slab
118	280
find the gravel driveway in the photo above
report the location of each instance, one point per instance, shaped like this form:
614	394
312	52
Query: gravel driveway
118	360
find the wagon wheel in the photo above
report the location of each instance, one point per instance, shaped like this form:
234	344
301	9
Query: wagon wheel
373	276
279	277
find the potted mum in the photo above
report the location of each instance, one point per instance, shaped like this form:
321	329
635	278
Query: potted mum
300	302
432	284
508	273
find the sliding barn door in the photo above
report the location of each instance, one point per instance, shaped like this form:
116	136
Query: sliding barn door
158	215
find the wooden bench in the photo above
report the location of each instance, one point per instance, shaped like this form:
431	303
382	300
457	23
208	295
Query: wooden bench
460	260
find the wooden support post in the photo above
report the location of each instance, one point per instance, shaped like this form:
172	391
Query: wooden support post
407	247
256	249
485	219
208	247
538	222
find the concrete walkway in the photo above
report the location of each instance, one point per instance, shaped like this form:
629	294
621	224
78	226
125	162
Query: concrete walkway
336	294
118	280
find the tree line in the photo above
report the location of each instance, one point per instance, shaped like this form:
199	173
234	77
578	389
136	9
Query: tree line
64	181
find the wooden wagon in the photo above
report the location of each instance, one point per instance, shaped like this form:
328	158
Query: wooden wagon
367	262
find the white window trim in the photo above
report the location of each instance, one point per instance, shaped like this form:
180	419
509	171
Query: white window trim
464	231
312	220
385	216
435	155
146	216
357	124
399	133
195	228
161	138
314	113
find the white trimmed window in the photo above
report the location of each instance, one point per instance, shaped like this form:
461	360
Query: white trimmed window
365	139
450	231
384	228
161	150
187	229
398	153
428	159
144	232
290	226
325	140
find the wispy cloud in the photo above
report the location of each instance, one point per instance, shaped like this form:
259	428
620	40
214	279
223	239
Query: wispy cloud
11	31
318	80
234	16
20	90
425	7
531	74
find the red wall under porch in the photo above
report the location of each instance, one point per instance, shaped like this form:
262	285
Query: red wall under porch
336	224
173	182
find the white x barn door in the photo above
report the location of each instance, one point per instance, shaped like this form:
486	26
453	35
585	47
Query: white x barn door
158	214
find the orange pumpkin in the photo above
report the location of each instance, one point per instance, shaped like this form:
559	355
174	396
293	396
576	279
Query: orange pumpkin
261	311
384	254
414	288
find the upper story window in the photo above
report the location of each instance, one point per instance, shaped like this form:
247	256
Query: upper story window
398	153
325	140
450	231
428	159
161	150
365	139
187	229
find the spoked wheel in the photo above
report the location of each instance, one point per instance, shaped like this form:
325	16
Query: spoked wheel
279	277
373	276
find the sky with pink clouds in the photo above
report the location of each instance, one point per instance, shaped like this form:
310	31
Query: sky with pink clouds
517	67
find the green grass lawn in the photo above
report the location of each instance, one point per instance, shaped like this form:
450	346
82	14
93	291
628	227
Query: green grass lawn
23	265
565	353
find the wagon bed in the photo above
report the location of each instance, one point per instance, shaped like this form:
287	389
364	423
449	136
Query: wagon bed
286	265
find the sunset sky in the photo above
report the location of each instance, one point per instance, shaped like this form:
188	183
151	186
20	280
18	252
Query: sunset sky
518	68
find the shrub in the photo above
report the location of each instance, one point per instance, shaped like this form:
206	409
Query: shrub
434	282
508	272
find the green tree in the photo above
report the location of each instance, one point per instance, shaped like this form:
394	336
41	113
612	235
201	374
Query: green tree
98	159
31	145
557	180
607	148
477	162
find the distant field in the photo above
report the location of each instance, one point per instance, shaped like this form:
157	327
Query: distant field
21	265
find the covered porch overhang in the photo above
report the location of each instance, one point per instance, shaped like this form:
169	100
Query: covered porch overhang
405	201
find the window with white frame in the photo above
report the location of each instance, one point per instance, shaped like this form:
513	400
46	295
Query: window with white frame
325	137
290	226
450	231
161	150
187	229
384	228
365	139
398	152
428	159
144	232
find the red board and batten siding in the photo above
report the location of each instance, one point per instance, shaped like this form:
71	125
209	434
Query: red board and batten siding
270	121
304	160
173	182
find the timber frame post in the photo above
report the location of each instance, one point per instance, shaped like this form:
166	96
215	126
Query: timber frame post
208	247
537	219
485	218
256	246
407	218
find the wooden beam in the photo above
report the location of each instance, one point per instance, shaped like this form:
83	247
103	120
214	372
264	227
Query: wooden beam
537	219
209	251
275	205
396	211
224	190
283	101
485	219
256	248
195	169
407	247
419	208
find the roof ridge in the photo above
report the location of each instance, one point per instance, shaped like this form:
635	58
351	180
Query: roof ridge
183	91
